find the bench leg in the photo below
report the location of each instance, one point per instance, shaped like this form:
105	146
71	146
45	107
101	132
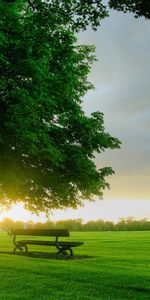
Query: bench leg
71	252
20	247
63	253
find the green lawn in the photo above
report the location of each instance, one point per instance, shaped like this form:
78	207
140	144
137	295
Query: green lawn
110	265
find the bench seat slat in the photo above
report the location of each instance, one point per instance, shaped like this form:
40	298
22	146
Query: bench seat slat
40	232
34	242
50	243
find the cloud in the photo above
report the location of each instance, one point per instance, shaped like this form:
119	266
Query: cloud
121	78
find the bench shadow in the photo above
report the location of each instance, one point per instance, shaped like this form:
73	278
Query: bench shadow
45	255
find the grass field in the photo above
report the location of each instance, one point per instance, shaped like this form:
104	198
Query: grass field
110	265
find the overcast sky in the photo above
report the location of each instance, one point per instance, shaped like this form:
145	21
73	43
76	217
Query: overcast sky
122	92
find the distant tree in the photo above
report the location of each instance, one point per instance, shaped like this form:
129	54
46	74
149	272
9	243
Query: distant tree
49	224
89	226
109	225
47	143
28	224
100	225
129	224
72	225
121	225
6	223
39	225
18	224
145	224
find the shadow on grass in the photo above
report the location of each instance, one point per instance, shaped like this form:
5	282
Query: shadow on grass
46	255
139	289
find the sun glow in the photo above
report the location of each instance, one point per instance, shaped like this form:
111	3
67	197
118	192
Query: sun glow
108	209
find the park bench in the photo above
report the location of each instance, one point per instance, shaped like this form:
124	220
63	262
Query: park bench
64	248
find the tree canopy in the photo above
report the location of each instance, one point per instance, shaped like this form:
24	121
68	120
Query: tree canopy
47	143
46	140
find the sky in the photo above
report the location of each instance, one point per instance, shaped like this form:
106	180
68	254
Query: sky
122	92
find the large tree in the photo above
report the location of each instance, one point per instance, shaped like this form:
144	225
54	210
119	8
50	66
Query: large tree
47	143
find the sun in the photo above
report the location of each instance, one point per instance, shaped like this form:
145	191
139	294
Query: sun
107	209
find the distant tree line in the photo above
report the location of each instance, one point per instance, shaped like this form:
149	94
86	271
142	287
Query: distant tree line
128	224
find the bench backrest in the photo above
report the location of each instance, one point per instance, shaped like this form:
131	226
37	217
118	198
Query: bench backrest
40	232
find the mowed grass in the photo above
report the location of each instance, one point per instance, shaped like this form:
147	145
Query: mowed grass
110	265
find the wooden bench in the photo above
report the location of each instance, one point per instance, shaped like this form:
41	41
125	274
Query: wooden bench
63	247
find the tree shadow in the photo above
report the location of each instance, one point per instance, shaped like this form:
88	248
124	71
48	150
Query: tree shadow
46	255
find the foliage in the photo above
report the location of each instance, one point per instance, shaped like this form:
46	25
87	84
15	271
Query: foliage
47	143
138	7
129	224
